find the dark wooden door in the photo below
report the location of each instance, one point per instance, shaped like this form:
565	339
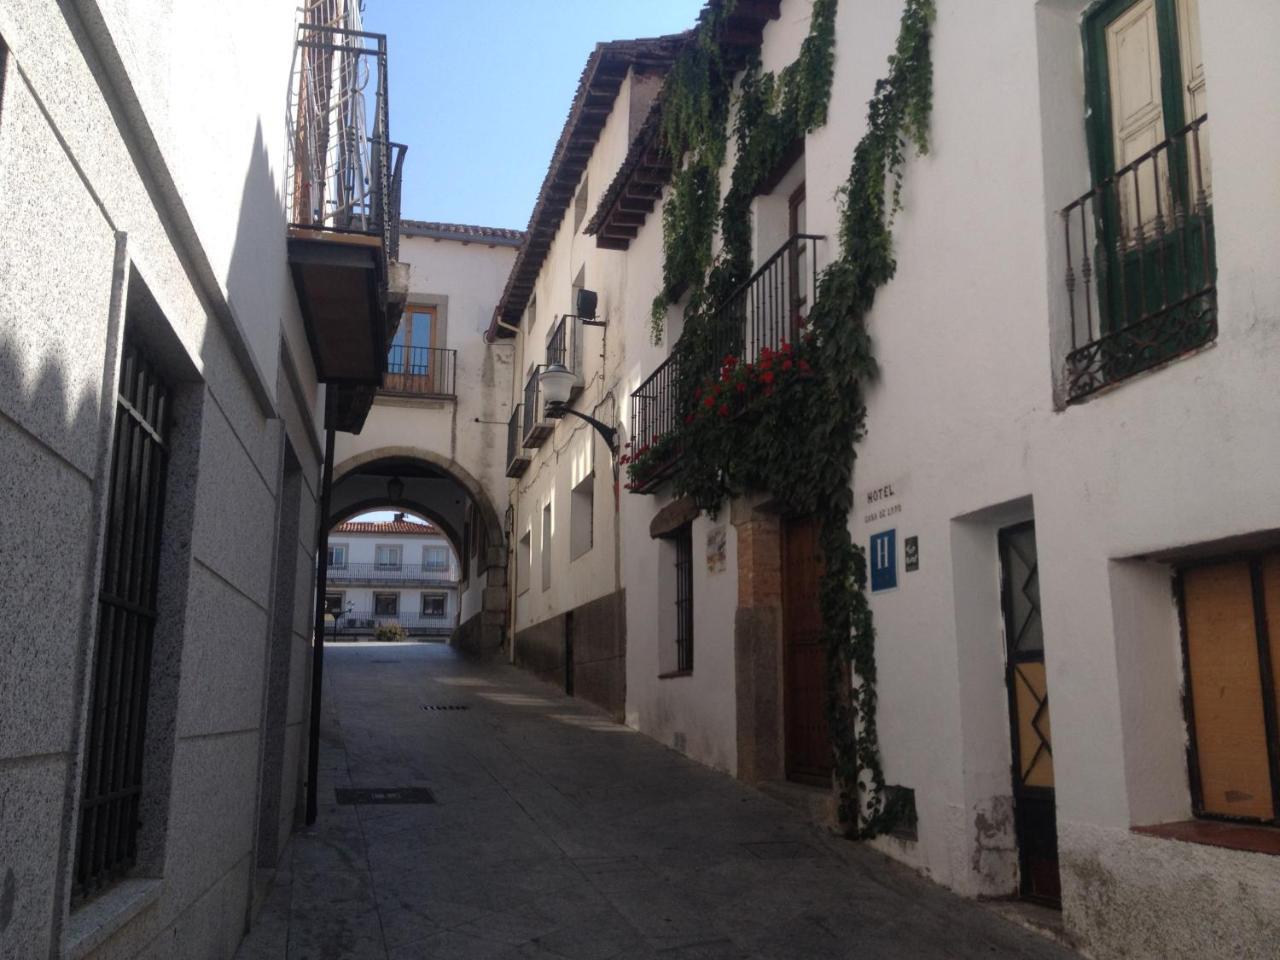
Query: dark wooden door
1035	812
808	740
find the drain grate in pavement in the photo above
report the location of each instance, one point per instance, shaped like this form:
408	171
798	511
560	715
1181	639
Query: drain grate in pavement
444	706
781	850
368	796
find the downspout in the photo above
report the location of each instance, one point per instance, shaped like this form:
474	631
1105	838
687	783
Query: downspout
496	324
317	651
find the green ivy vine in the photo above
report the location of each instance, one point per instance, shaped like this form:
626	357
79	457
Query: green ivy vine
788	423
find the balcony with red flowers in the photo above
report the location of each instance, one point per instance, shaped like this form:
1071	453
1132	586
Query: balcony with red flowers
761	346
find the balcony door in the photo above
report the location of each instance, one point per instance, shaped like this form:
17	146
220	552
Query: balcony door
412	366
1149	151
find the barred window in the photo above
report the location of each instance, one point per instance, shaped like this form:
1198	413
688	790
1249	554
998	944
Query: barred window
107	841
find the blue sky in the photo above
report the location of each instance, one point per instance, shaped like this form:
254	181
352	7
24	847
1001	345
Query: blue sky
480	90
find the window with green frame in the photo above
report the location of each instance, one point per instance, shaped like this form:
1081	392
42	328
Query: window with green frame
1144	234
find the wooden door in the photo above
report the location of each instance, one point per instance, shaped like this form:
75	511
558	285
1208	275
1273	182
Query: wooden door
1035	809
808	739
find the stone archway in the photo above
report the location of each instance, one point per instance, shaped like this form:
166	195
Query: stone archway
354	479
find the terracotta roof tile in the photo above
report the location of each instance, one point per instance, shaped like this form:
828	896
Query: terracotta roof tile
397	527
465	232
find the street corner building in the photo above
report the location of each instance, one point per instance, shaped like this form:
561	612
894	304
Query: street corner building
196	294
1063	494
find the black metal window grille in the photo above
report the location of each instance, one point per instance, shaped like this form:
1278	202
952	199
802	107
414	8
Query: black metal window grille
684	597
107	842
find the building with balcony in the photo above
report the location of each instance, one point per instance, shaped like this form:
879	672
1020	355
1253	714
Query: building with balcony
398	571
1061	491
198	288
566	588
434	437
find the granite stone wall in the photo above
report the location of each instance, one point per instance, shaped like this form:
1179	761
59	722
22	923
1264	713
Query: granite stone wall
599	642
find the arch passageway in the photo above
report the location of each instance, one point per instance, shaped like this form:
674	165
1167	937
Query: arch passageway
444	492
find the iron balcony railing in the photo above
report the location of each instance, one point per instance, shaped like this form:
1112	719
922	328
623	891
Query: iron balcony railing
1140	270
391	573
421	372
536	425
769	309
766	311
654	408
517	456
343	169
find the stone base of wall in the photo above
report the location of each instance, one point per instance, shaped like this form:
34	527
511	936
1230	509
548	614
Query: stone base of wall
479	636
599	651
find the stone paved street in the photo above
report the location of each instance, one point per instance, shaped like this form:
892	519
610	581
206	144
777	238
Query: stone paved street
559	834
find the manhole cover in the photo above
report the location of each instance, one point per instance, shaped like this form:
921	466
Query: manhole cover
444	706
781	850
368	796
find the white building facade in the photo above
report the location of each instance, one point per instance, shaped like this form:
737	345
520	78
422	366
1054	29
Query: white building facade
437	423
1063	491
397	571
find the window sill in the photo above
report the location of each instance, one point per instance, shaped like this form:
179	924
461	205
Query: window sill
95	922
671	674
1252	838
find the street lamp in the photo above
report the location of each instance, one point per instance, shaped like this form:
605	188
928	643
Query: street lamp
557	382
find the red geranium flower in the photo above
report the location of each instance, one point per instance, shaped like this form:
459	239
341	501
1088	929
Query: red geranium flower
766	377
688	418
742	388
786	364
786	347
804	366
709	402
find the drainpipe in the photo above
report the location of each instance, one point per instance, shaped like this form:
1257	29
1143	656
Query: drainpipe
317	651
491	335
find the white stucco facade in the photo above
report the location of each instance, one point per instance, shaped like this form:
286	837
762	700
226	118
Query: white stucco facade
383	572
451	432
969	425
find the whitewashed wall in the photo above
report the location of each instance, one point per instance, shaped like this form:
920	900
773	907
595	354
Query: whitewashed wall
574	449
963	423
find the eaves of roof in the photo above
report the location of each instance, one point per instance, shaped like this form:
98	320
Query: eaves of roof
602	77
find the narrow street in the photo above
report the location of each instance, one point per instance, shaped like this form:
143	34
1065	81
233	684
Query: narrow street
556	833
